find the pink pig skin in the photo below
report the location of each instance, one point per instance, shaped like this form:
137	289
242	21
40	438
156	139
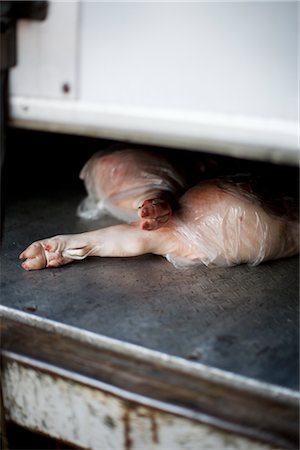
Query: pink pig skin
213	226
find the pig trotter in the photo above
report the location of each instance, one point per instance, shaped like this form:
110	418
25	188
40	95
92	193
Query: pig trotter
154	213
45	253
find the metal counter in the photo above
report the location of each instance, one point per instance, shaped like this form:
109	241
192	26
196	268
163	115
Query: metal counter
217	347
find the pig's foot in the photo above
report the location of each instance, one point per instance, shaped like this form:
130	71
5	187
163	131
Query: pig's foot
154	213
45	253
118	241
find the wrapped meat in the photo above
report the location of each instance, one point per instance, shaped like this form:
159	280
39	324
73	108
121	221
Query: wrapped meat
129	183
219	223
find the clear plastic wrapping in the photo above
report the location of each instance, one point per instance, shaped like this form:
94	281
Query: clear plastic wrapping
218	223
225	223
117	182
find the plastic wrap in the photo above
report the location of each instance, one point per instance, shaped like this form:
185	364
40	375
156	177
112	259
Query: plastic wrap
118	182
219	223
225	223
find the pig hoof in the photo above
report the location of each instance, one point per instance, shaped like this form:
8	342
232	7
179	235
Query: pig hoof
154	213
42	254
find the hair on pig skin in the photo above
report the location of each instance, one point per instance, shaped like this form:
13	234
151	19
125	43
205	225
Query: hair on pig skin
219	222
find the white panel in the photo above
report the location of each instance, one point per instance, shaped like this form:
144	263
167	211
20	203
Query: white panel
234	57
212	76
248	137
47	54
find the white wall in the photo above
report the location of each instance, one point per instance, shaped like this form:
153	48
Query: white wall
236	58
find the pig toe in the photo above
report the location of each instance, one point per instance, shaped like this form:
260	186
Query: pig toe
154	224
154	208
34	257
154	213
38	262
42	254
32	251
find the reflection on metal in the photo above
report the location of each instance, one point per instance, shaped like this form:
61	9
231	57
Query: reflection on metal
52	401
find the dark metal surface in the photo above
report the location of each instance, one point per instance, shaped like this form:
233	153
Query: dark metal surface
241	319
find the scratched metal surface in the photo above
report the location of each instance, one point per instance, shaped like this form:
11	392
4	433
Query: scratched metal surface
240	319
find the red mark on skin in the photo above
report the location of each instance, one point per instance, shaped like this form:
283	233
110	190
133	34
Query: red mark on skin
48	248
55	262
146	226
